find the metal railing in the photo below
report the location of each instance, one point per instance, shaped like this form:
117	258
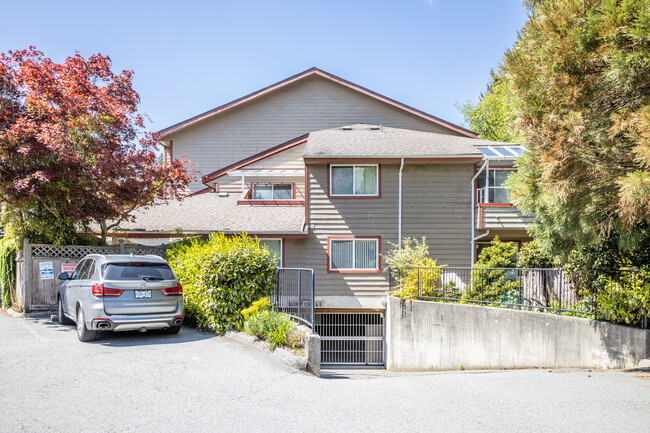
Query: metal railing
294	294
532	289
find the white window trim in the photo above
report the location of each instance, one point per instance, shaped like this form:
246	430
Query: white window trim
281	247
354	252
272	188
485	195
353	174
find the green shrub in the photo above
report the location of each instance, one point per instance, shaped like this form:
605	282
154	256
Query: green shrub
220	277
7	271
262	304
495	285
403	264
276	328
418	282
625	299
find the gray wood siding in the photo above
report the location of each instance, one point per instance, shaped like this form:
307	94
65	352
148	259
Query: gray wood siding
309	105
503	218
436	204
232	184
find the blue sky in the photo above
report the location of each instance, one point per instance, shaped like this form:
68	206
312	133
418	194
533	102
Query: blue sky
191	56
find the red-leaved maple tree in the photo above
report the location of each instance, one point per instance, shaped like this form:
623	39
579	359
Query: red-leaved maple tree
72	141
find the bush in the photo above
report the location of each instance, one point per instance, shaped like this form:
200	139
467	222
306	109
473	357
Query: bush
625	299
220	277
495	285
261	304
276	328
7	271
413	283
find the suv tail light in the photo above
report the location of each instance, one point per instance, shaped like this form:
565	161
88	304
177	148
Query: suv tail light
173	291
99	291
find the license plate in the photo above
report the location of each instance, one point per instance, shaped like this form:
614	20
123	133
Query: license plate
142	294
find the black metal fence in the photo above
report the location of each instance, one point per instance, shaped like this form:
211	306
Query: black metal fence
532	289
294	294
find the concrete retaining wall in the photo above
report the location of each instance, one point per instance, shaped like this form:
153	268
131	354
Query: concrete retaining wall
424	335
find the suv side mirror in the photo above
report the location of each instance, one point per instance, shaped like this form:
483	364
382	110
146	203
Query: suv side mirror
64	276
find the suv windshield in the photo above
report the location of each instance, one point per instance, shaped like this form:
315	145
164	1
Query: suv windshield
138	271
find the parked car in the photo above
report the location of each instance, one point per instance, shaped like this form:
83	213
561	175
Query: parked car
120	293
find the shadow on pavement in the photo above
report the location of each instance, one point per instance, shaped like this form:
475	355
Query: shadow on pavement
130	338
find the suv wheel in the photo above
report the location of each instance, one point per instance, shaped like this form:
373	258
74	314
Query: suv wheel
84	333
63	320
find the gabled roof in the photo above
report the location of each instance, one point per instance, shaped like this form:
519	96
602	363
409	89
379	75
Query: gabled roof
251	159
303	75
380	142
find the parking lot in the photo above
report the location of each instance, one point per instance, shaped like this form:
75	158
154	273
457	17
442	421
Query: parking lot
132	382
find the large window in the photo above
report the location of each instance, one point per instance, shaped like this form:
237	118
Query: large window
272	191
354	180
275	248
354	254
496	192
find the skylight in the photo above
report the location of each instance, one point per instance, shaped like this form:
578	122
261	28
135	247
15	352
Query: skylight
501	152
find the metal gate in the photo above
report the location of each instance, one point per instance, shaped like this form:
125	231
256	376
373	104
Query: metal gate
351	339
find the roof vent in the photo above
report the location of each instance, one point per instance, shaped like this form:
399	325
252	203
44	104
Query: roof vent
222	194
347	128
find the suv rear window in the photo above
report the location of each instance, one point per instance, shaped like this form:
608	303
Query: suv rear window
138	271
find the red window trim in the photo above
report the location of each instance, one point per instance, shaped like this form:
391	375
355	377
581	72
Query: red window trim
356	197
354	271
249	202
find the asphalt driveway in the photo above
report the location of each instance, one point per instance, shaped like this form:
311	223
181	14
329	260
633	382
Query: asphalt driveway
197	382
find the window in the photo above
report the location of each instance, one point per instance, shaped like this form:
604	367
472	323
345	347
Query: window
78	269
354	254
272	191
354	180
88	269
138	271
497	193
275	248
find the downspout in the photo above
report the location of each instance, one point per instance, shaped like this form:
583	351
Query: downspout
473	205
399	206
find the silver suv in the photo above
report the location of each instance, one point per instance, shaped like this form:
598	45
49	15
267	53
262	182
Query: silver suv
120	293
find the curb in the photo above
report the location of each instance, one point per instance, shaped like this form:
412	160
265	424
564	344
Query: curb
37	315
293	361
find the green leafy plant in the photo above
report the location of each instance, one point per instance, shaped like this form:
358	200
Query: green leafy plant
497	285
220	277
262	304
625	299
411	265
274	327
7	271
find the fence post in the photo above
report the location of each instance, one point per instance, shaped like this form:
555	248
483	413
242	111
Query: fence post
122	250
299	294
418	282
313	301
481	284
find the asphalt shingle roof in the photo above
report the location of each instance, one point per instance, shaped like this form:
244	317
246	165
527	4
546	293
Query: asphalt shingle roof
207	213
370	141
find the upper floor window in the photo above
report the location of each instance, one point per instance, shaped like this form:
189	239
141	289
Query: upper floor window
354	180
496	191
272	191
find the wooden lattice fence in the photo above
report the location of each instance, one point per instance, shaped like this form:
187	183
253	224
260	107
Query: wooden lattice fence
38	266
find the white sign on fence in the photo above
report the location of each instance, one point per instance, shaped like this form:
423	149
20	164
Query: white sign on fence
47	270
68	267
